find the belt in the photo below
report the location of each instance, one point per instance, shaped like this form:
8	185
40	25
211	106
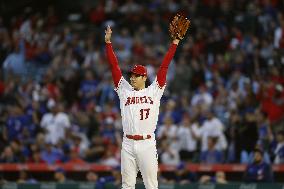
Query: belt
138	137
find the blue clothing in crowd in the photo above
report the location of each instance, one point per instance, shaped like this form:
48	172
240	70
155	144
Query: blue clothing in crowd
87	87
15	126
100	184
211	157
52	156
261	172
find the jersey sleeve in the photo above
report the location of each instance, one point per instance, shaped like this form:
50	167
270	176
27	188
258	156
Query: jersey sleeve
113	62
156	89
162	72
122	86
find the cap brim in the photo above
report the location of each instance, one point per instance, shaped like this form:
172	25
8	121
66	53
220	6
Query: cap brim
133	72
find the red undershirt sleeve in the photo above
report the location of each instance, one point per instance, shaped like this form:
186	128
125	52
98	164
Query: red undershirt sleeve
162	72
113	62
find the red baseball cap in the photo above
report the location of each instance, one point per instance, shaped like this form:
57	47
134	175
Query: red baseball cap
139	69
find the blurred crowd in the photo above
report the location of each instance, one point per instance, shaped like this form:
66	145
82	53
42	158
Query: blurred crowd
224	95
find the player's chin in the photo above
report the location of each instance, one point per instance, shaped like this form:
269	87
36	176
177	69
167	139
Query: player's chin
133	85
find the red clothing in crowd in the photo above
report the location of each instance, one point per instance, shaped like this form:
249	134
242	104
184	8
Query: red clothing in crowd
272	104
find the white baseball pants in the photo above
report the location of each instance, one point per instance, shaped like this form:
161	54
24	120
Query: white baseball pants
139	155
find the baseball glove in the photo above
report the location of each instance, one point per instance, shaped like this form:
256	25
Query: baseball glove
178	27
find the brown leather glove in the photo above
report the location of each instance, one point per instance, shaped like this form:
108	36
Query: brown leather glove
178	27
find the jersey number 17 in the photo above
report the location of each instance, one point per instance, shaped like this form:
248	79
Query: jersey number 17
144	113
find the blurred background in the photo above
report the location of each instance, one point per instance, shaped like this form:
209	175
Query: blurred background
221	117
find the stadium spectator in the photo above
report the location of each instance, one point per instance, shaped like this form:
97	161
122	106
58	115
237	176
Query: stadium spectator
24	178
271	97
36	157
14	63
250	157
88	89
279	150
8	156
16	123
55	123
100	182
249	129
182	78
258	170
110	159
75	158
187	133
171	111
184	175
212	155
60	176
265	134
167	130
202	97
108	131
212	127
218	178
168	155
51	154
96	149
91	176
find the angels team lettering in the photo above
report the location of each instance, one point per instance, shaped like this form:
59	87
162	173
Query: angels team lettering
139	100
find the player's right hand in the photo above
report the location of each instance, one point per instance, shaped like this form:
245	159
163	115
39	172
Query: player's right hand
108	34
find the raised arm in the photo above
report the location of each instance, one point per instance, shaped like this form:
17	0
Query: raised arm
162	72
177	29
112	60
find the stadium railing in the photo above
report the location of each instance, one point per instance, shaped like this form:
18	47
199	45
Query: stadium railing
73	167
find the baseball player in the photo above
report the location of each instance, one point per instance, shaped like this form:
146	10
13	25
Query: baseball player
139	110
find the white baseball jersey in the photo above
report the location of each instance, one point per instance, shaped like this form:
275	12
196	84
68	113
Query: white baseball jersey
139	109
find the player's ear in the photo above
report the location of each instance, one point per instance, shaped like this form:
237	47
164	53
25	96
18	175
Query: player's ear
144	78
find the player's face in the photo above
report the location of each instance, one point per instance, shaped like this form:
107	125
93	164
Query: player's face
137	81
